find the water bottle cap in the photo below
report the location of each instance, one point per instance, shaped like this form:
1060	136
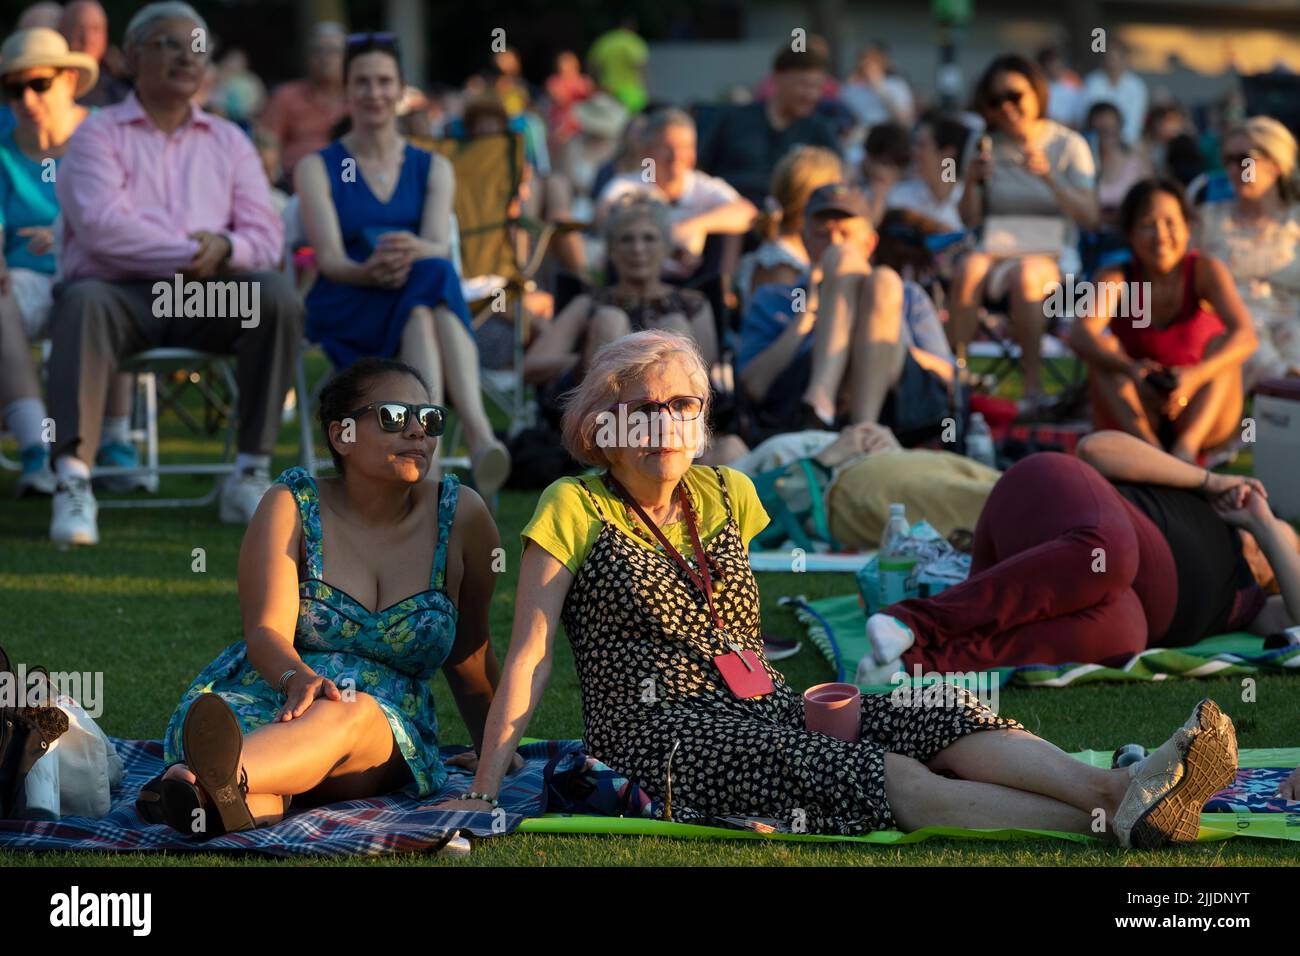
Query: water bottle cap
897	509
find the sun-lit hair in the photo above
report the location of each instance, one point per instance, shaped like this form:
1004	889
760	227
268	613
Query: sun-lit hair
623	362
799	173
660	121
633	207
1275	140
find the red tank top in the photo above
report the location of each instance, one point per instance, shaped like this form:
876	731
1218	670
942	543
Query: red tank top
1182	341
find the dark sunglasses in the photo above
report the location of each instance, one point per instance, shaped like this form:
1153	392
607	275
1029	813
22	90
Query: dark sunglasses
14	89
394	416
1010	96
1239	159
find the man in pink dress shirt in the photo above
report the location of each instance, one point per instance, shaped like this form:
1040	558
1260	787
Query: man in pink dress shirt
170	240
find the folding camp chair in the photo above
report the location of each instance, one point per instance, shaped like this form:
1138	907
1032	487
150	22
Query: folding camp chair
213	377
995	342
500	251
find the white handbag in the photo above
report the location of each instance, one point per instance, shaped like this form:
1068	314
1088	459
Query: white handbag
89	767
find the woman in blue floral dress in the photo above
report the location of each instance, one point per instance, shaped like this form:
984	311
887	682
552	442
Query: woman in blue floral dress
355	591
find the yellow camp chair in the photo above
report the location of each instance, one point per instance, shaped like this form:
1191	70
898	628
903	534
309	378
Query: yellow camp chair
497	247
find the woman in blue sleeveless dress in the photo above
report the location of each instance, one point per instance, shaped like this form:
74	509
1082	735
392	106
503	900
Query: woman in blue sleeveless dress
355	591
377	211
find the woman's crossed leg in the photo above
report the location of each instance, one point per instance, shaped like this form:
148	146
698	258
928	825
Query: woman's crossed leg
337	750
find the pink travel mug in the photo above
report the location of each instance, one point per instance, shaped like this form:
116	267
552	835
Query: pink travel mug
834	710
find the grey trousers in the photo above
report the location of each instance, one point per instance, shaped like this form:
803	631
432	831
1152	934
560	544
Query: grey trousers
95	324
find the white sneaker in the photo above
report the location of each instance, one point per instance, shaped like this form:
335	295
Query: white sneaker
890	638
74	513
240	494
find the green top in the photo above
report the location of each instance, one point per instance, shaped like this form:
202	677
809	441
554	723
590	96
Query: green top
617	57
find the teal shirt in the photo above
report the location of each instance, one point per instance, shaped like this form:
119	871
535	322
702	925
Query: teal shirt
26	199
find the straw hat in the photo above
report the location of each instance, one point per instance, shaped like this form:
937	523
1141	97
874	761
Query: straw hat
41	46
601	115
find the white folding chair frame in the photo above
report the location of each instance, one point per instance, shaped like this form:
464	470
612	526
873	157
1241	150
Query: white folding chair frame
145	366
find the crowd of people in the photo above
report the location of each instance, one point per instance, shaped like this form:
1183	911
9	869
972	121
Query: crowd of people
809	263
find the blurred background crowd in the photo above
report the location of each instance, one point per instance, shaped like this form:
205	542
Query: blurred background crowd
839	222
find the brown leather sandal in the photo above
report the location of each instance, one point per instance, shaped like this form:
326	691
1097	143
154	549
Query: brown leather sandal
212	743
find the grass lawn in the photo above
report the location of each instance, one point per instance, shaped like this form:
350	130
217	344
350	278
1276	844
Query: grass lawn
134	609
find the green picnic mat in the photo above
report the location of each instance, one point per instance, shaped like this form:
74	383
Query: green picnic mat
1214	826
837	626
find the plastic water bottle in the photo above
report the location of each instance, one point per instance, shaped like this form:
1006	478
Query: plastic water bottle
979	441
1128	754
895	561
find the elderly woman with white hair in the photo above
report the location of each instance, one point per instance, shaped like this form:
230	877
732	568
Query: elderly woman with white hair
1257	235
645	565
638	232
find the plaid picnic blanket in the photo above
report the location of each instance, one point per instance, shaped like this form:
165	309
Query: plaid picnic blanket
563	790
837	626
557	776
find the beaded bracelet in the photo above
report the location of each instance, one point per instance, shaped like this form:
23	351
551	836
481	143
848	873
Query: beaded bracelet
475	795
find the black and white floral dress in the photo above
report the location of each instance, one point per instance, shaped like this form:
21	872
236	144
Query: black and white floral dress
644	647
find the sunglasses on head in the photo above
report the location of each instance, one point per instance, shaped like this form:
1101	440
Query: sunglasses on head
996	100
379	39
394	416
14	89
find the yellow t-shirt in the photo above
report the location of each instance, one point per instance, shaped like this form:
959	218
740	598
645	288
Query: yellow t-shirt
566	523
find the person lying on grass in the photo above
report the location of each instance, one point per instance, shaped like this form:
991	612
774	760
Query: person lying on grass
863	470
355	591
1096	558
645	564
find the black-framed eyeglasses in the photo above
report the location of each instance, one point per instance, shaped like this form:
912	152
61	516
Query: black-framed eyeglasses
682	408
14	89
1007	96
394	416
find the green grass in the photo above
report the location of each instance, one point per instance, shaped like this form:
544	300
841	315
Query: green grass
133	609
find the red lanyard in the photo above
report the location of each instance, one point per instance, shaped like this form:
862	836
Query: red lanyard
703	580
742	670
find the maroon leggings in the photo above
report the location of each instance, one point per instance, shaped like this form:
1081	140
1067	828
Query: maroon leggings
1040	592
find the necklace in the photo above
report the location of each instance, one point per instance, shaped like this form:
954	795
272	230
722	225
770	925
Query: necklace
640	531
